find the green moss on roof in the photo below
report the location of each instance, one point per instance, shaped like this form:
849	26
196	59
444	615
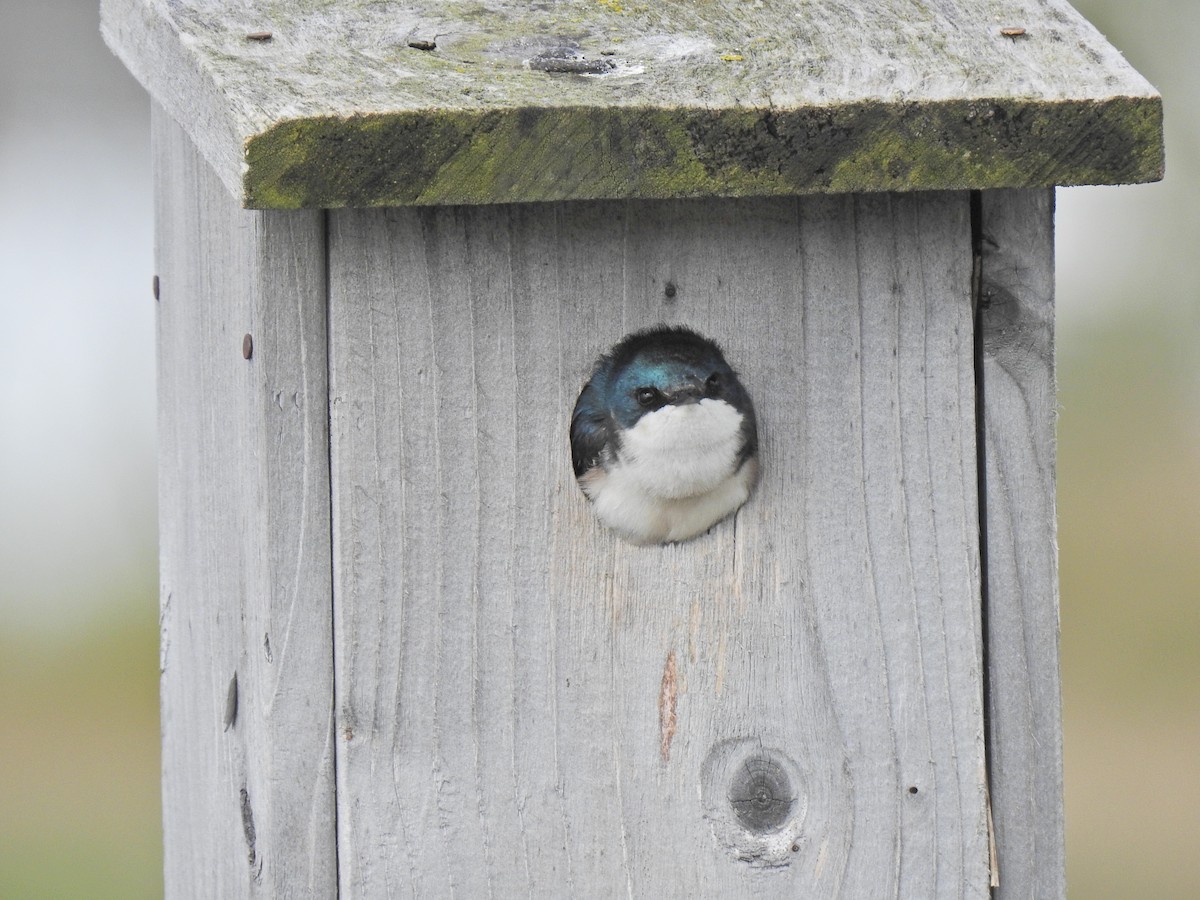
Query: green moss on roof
520	155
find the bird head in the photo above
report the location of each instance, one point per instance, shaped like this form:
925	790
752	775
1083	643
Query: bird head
662	367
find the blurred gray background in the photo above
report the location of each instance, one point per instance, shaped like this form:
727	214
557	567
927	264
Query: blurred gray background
79	812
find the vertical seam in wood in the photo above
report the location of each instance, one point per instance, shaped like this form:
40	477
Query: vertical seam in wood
977	308
333	654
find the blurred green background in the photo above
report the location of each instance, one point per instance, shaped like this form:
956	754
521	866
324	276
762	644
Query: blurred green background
79	812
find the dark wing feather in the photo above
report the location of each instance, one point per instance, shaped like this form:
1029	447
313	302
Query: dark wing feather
591	430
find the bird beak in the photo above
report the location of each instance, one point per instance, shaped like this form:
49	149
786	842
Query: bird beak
691	391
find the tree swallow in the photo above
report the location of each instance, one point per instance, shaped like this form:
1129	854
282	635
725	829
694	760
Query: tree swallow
663	438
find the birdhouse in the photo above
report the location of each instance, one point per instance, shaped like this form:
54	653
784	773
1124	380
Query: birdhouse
401	654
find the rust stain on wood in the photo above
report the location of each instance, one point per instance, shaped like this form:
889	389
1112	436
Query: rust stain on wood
666	705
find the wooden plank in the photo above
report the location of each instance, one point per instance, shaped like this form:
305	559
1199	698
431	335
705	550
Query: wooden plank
1025	708
582	99
527	705
248	786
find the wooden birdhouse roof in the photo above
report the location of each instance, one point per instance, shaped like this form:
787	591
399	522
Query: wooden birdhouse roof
330	103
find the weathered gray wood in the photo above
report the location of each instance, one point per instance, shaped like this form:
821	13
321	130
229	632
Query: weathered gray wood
247	687
527	706
719	98
1025	709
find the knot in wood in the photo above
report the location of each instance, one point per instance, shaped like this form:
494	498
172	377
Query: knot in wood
756	800
761	794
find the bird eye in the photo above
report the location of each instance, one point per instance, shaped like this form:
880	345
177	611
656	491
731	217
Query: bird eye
646	396
713	383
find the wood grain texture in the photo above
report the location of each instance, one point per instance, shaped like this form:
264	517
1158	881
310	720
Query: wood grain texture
246	644
1025	709
527	706
723	98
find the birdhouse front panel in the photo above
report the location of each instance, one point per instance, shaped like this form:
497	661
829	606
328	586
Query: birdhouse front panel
791	699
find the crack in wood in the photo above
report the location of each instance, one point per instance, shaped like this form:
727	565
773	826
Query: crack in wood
248	827
231	703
